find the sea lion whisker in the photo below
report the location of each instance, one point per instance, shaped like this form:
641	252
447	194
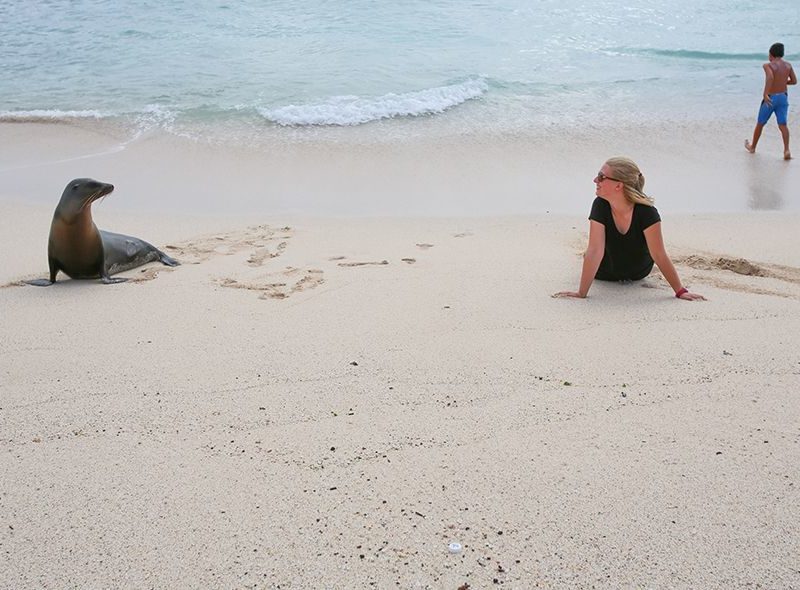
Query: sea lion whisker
98	194
89	199
84	203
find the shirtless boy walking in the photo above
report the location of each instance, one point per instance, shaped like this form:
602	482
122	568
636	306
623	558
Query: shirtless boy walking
779	75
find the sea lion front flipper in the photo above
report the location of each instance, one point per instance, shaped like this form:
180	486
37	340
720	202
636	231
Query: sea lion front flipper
53	272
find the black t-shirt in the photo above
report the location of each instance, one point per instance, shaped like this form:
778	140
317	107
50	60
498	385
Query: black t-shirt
626	256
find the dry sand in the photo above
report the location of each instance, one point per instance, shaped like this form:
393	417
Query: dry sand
329	402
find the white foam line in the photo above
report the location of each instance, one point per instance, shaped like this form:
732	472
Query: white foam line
356	110
113	150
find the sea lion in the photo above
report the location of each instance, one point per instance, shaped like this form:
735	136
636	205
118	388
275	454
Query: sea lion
82	251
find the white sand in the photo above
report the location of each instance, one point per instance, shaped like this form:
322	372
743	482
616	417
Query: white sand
335	422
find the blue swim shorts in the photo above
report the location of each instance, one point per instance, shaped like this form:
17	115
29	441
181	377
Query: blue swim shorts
779	106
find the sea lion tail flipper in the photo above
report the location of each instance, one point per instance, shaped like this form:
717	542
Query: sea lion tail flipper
166	259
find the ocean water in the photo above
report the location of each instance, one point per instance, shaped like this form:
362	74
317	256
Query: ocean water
246	71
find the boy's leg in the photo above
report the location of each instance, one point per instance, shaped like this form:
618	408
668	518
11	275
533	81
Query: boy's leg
764	113
787	155
781	114
751	146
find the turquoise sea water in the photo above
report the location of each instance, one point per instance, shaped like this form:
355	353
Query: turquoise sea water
507	66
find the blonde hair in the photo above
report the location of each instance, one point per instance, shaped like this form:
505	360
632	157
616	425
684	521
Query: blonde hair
627	172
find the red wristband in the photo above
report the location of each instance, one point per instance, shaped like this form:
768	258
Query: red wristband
681	291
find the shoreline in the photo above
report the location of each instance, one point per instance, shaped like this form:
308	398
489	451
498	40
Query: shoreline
689	169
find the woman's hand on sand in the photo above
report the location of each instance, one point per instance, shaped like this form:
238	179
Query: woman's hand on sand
692	296
573	294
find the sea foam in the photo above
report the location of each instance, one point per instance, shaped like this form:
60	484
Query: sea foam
48	116
356	110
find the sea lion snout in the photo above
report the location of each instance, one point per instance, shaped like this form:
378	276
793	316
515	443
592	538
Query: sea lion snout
105	189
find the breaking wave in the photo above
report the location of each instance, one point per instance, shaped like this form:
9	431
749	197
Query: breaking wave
356	110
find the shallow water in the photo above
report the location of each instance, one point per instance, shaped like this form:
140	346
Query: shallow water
254	71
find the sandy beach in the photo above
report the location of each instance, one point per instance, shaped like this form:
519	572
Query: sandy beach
346	375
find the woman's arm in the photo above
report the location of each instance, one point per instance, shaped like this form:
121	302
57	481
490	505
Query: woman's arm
591	260
655	243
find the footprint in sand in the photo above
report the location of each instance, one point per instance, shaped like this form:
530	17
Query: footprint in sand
278	285
265	242
741	266
424	246
148	274
371	263
258	257
462	234
261	243
409	260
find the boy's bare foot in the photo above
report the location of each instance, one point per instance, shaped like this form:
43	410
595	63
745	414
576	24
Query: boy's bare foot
748	147
787	155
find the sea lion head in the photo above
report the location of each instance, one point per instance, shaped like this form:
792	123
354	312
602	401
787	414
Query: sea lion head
78	196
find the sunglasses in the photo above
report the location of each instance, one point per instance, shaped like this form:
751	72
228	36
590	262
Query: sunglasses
601	177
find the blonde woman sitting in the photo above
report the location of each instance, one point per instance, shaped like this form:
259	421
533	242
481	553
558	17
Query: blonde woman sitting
624	233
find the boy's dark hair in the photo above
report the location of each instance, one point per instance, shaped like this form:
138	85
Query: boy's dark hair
776	50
